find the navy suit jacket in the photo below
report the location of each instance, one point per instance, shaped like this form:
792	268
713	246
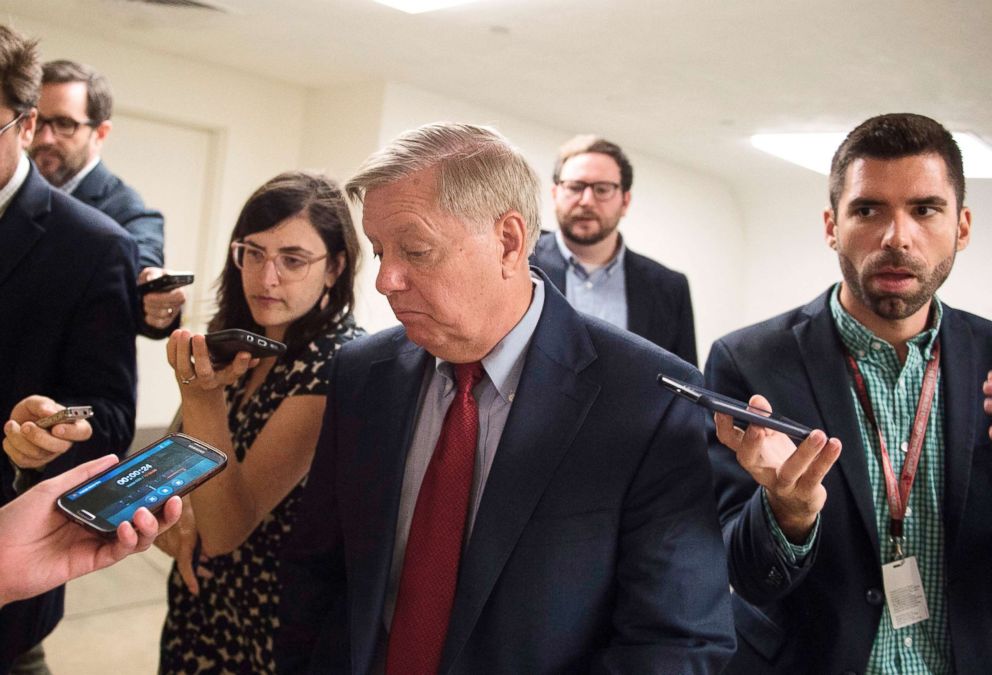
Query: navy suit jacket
822	616
595	547
69	304
659	308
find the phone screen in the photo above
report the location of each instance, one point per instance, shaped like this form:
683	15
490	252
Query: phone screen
174	465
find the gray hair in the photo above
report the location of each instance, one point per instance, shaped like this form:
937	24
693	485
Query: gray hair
480	175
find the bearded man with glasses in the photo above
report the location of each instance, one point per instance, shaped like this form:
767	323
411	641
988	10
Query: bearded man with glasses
74	114
588	261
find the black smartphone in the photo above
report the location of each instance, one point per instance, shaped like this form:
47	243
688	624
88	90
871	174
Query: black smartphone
69	414
173	465
740	411
224	345
166	282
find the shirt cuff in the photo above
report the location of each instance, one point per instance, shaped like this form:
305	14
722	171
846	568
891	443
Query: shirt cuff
794	553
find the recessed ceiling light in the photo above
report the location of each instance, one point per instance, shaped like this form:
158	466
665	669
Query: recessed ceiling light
815	150
419	6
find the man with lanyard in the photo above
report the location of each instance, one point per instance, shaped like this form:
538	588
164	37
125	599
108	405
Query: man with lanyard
874	559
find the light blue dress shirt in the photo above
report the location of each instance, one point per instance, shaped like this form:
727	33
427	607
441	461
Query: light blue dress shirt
601	292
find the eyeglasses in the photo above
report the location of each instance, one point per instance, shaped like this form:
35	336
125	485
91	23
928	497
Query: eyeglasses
601	190
289	267
11	123
66	127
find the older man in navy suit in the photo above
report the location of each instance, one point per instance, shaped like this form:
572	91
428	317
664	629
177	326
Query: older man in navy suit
501	486
69	308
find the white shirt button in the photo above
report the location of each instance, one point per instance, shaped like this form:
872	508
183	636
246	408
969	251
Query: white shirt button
862	353
876	345
588	284
904	446
909	511
908	642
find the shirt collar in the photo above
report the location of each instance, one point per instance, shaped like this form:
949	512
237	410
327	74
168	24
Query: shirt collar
504	363
859	340
70	185
8	191
566	253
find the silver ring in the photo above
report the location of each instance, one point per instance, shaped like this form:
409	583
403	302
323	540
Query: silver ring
169	311
188	381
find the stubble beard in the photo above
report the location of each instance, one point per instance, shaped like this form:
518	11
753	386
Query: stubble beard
69	164
891	306
606	228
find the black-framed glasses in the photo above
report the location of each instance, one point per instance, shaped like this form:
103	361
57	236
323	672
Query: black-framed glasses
11	123
289	266
601	190
66	127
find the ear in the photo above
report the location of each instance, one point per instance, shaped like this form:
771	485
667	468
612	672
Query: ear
830	228
964	228
626	203
511	233
102	129
335	266
26	128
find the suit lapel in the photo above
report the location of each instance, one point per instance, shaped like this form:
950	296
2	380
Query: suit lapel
94	186
21	225
961	387
639	302
549	259
822	355
535	439
392	394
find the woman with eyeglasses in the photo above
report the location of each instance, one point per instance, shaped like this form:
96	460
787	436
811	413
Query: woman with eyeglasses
289	277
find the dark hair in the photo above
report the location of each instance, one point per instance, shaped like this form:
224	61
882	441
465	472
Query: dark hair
99	100
289	194
895	136
580	145
20	72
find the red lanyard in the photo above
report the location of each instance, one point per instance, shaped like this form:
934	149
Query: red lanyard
897	493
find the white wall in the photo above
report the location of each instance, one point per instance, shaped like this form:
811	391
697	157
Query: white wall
788	262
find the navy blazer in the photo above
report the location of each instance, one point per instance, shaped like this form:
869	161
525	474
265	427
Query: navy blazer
595	547
109	194
69	304
659	308
822	616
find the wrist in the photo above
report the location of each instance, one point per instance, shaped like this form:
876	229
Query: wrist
795	523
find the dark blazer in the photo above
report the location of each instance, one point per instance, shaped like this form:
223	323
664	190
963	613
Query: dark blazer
69	306
659	308
822	616
107	193
595	547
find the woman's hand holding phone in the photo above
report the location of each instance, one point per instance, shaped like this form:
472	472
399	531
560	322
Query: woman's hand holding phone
188	355
791	476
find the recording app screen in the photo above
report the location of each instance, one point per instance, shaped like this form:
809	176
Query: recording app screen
147	479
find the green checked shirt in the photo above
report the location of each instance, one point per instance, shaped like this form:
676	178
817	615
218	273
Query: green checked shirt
894	390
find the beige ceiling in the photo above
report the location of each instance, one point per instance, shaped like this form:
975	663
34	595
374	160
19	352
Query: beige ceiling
685	80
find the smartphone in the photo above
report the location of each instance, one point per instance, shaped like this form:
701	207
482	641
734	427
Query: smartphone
70	414
224	345
173	465
166	282
740	411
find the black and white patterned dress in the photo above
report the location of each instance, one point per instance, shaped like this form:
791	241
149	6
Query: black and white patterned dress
229	627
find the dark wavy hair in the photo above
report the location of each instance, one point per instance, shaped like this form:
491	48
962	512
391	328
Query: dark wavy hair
323	203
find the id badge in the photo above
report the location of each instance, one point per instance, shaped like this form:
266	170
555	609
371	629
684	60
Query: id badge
904	593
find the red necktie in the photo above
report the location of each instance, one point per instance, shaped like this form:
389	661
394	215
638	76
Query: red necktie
430	566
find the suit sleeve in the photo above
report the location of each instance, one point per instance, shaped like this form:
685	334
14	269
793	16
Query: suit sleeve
760	571
686	345
673	602
97	362
146	226
312	569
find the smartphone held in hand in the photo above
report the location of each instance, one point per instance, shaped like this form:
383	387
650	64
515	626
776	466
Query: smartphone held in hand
173	465
166	282
224	345
739	410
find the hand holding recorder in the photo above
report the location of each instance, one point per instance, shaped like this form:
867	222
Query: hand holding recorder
40	429
41	549
791	476
162	297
